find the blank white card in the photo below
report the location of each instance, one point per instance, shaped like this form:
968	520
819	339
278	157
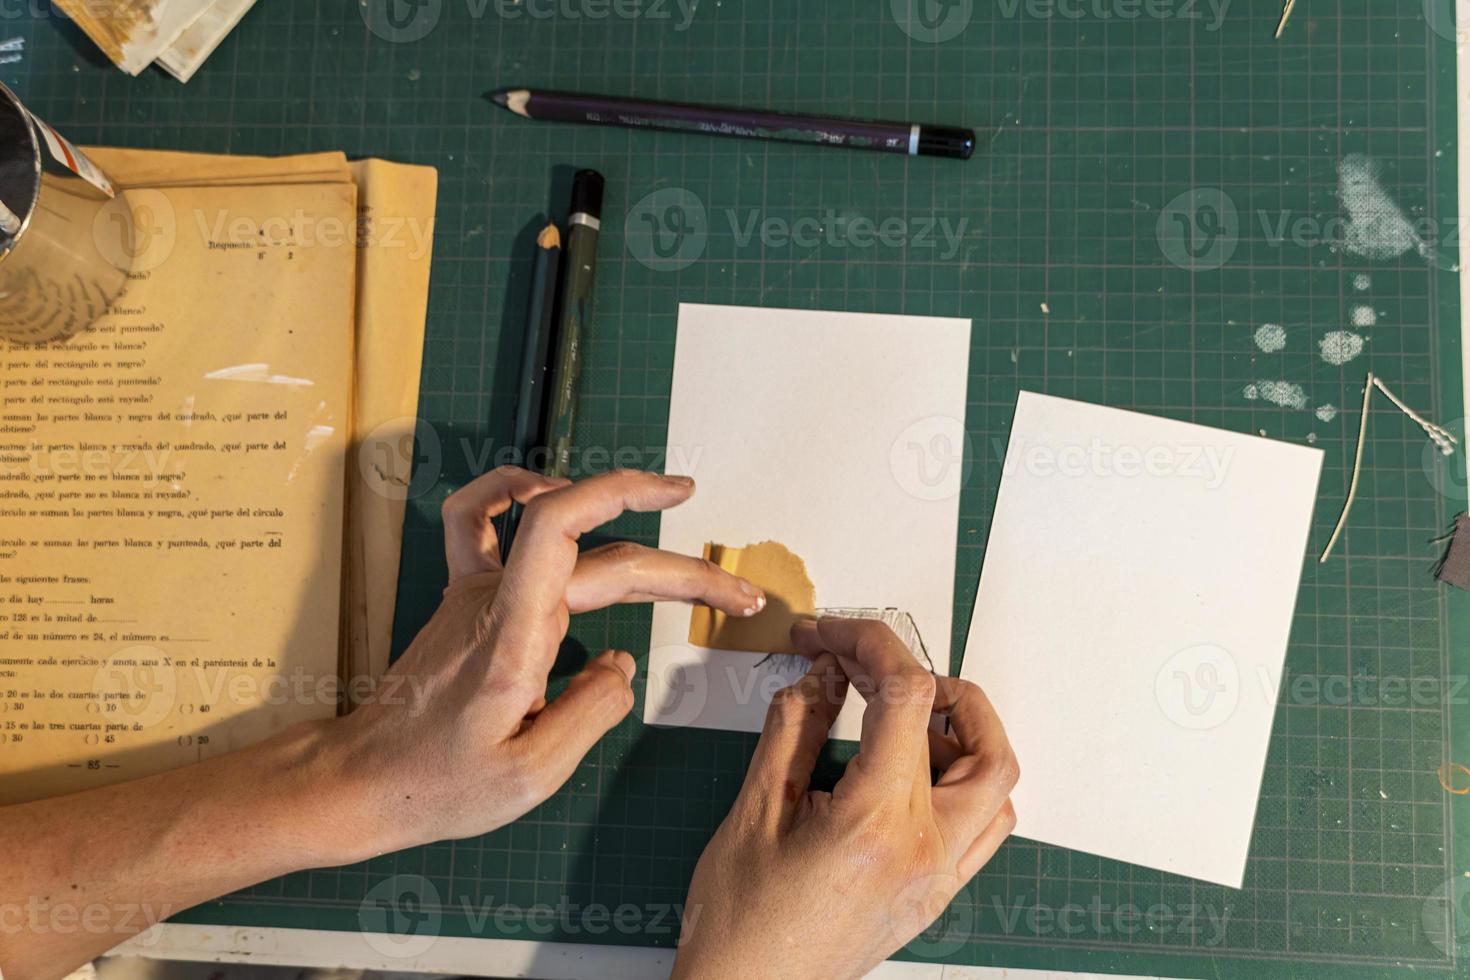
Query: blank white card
839	435
1131	627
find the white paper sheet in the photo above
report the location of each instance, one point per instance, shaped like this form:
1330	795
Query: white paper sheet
837	434
1131	627
199	40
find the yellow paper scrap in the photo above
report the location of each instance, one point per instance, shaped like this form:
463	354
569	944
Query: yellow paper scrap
790	596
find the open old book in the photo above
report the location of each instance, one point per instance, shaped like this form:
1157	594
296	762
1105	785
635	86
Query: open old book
191	557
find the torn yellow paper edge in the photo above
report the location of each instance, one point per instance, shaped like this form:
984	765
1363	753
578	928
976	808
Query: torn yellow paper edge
790	596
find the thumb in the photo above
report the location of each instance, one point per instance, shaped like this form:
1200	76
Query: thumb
796	729
597	698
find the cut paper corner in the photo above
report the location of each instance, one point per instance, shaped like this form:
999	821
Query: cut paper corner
790	596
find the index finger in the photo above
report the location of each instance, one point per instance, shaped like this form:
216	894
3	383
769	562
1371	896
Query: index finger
899	694
534	588
470	543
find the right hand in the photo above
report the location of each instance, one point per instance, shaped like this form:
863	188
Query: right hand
798	883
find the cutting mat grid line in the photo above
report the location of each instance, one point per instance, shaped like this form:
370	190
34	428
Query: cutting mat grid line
1058	250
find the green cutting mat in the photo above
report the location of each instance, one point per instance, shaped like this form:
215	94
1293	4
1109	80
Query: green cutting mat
1137	146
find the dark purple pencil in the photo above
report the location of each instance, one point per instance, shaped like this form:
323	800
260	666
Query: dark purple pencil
910	139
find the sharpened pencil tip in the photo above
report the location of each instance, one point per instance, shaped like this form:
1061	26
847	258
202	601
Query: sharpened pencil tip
512	99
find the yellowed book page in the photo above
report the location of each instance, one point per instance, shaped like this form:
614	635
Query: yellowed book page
396	206
171	500
158	168
133	32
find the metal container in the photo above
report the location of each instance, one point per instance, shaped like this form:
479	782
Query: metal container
60	264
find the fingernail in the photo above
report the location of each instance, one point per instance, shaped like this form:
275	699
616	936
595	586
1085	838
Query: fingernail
760	603
749	589
625	662
804	625
682	481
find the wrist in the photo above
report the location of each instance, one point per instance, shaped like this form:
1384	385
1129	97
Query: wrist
730	964
690	964
729	953
377	783
719	955
320	793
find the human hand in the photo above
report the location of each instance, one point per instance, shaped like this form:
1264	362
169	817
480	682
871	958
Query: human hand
813	884
471	743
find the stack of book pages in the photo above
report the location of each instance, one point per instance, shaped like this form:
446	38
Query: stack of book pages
202	496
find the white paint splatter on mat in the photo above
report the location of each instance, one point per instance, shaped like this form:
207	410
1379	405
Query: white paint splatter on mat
1377	228
1327	412
1364	316
1340	346
1271	337
1362	281
1282	393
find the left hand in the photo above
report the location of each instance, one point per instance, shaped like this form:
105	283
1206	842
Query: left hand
471	742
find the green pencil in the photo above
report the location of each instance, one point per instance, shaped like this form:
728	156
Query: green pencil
580	265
